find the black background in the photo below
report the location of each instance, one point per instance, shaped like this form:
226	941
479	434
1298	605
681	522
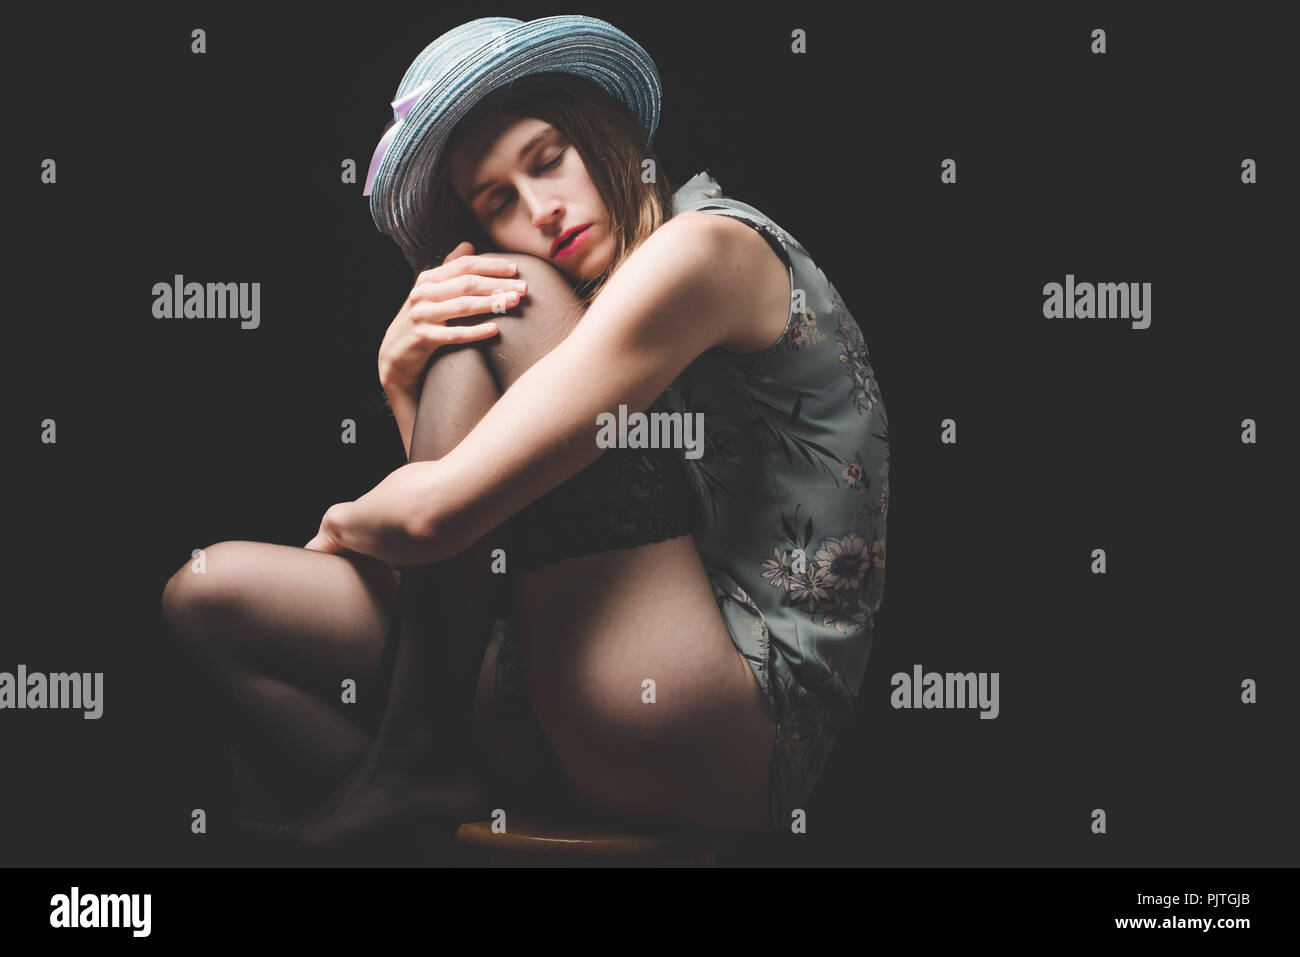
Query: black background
1119	691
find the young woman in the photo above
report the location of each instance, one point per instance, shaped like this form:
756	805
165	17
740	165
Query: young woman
686	632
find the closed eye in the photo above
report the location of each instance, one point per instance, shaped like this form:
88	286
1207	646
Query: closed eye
551	165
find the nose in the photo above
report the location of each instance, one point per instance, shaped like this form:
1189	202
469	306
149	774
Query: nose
548	212
546	209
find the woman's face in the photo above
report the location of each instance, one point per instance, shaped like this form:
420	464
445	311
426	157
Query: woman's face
528	187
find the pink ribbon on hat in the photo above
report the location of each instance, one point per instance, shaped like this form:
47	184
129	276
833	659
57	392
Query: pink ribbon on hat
401	107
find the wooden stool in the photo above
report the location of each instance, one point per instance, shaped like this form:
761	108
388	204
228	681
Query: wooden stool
560	842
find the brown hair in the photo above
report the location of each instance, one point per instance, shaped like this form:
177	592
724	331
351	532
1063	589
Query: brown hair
606	136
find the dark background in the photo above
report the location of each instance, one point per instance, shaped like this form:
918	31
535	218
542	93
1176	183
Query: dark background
1119	691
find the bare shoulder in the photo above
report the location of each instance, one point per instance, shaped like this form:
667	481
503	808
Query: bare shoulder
700	280
748	276
692	229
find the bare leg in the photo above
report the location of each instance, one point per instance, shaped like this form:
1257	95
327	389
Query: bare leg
279	628
599	625
513	755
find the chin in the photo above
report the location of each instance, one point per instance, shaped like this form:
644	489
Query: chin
598	263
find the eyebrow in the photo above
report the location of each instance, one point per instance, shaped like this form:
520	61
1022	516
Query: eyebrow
523	151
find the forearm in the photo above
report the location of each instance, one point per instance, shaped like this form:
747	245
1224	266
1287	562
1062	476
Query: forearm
403	399
640	333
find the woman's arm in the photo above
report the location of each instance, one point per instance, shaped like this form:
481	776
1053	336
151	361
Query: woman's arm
690	286
403	400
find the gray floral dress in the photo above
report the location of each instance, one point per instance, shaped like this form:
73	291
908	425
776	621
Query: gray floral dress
793	490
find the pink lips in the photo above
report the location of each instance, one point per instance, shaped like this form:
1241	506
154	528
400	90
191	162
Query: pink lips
575	240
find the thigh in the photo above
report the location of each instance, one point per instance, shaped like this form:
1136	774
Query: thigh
647	700
307	616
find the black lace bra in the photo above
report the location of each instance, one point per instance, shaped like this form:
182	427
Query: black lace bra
626	497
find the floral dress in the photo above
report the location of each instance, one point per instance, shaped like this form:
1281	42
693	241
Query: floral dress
793	491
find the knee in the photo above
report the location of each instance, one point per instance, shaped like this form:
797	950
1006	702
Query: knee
547	286
540	320
201	596
548	279
549	294
549	290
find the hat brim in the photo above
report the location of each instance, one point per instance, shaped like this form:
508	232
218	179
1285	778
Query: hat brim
577	45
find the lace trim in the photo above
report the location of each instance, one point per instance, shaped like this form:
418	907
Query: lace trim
627	497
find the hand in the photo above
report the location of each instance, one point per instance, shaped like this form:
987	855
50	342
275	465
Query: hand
325	540
392	522
386	579
464	285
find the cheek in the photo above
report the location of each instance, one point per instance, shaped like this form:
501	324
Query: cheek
515	237
499	233
597	203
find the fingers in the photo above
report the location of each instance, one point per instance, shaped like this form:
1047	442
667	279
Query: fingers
469	284
323	543
455	335
449	335
465	285
478	295
459	264
465	248
465	307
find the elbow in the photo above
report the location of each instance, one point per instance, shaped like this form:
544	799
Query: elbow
428	540
425	523
436	534
452	513
422	525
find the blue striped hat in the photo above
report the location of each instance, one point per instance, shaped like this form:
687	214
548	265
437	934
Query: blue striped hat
458	69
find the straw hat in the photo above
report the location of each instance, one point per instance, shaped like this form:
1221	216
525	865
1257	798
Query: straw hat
458	69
